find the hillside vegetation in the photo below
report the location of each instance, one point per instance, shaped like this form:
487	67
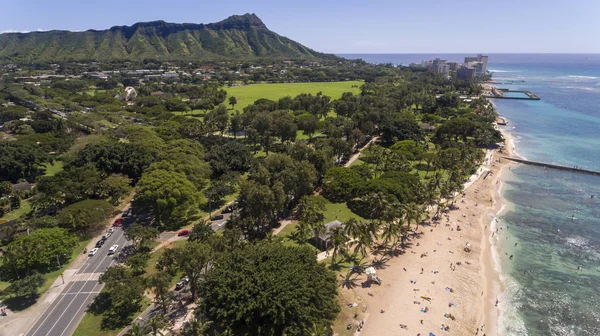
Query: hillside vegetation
236	37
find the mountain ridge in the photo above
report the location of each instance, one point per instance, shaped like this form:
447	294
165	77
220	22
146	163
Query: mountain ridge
236	37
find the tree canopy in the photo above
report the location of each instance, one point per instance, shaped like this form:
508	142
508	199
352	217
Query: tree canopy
269	289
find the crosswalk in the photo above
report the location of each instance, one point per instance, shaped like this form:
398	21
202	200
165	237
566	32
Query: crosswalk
86	277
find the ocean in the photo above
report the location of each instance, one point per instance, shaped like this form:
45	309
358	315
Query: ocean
551	222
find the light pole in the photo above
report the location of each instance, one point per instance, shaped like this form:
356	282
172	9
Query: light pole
58	262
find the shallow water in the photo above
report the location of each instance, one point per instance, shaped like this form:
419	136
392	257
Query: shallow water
552	284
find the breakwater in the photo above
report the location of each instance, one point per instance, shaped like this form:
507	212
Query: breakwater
553	166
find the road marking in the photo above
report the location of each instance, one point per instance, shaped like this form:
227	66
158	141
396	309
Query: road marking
80	293
86	277
88	297
67	308
85	266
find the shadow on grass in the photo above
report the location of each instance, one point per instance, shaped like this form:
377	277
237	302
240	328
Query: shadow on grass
19	303
114	317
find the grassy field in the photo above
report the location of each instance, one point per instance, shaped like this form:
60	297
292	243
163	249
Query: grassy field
90	325
25	208
52	169
338	211
151	268
248	94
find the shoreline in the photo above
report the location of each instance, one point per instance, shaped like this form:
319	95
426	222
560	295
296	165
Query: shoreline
436	262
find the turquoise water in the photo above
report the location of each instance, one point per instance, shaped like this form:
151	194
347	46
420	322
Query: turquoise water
552	284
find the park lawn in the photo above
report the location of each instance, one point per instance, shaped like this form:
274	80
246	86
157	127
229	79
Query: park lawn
198	114
52	169
338	211
301	136
248	94
151	267
287	236
90	324
260	153
25	208
358	162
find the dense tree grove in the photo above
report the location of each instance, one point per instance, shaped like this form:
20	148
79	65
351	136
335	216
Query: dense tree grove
74	153
269	289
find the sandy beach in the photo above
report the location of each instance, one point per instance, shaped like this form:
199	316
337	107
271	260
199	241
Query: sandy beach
436	283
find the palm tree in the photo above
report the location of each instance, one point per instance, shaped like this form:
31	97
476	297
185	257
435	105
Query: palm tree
391	232
137	330
157	323
196	327
352	228
364	240
338	240
316	330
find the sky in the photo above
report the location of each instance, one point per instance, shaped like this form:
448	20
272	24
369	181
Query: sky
349	26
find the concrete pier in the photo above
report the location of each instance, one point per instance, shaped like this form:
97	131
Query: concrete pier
553	166
500	94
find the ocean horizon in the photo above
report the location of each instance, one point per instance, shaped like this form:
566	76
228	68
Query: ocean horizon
551	222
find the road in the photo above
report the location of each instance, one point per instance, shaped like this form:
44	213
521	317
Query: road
67	310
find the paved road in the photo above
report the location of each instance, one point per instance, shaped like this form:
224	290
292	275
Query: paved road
217	225
64	314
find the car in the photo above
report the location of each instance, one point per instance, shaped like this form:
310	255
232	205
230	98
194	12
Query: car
99	243
228	209
111	230
183	232
93	251
118	221
181	283
113	249
217	217
104	238
108	234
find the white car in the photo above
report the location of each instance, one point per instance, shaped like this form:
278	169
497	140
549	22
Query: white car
113	249
93	251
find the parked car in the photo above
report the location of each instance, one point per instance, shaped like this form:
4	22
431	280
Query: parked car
111	230
217	217
181	283
183	232
228	209
118	221
93	251
113	249
104	238
108	234
99	243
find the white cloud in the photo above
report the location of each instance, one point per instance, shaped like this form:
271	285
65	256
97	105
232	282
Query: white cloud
13	31
20	31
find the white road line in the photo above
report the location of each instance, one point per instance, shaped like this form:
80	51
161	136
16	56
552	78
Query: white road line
88	297
63	313
80	293
56	305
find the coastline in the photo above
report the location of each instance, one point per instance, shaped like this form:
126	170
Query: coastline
436	261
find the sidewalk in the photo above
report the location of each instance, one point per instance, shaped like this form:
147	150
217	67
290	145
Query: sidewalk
17	324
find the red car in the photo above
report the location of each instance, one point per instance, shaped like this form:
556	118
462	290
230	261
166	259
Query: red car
118	222
183	233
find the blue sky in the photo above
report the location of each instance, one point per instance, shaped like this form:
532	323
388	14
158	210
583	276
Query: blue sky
349	26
